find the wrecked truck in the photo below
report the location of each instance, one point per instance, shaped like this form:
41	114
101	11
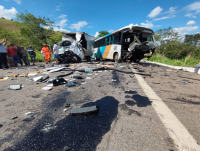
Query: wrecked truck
130	42
75	47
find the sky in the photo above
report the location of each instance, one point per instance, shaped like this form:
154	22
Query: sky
92	16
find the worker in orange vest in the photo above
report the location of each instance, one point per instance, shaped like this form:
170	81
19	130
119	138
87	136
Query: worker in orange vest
47	53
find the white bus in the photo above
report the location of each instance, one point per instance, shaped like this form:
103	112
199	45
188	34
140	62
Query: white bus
130	42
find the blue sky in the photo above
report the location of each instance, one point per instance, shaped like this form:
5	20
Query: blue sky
92	16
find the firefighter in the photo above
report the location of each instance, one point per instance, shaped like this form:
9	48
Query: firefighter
47	53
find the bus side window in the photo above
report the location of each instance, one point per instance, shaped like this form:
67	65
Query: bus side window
107	41
110	40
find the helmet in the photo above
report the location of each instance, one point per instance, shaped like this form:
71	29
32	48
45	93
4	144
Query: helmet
44	44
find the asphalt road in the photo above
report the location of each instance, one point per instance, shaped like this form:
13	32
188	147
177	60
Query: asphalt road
126	120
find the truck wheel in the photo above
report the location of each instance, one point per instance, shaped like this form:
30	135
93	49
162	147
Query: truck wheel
115	57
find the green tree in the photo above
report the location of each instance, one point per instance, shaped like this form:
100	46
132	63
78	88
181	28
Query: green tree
37	30
192	39
102	33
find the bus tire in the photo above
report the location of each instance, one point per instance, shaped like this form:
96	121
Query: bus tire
95	57
115	57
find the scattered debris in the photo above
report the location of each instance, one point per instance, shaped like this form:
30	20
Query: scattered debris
45	72
29	119
66	148
83	83
32	74
88	70
114	80
50	85
172	70
84	110
28	113
67	105
47	88
55	70
36	79
48	127
15	87
59	81
65	110
71	85
88	78
13	118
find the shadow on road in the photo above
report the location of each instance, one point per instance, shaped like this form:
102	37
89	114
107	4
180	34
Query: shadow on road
78	132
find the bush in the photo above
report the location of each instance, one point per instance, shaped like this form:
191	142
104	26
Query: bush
177	50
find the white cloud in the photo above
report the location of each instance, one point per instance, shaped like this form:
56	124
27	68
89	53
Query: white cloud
185	30
111	31
18	2
62	16
96	35
78	25
194	6
155	12
171	10
165	17
191	22
62	23
57	9
7	13
148	24
60	29
90	26
190	15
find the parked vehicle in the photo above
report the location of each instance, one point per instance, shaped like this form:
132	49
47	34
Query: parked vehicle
75	47
130	42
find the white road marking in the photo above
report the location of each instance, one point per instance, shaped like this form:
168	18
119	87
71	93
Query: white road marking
183	140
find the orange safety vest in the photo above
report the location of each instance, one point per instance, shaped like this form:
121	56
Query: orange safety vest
46	50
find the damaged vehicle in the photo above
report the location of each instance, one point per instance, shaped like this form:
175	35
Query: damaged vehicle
75	47
130	42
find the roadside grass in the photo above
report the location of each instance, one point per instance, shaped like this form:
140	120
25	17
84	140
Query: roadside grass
8	24
185	62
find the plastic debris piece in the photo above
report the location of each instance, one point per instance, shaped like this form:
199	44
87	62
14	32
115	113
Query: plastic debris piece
66	79
5	78
99	71
29	119
37	78
47	88
55	70
28	113
50	81
88	78
83	83
88	70
66	148
15	87
45	72
84	110
13	118
89	74
96	74
50	85
114	80
59	81
32	74
71	85
73	80
65	110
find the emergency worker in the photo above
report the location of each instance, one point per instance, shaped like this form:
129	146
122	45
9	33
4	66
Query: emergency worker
47	53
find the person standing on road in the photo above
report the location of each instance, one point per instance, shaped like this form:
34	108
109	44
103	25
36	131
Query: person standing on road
32	54
19	53
24	55
3	52
47	53
56	52
9	57
13	53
